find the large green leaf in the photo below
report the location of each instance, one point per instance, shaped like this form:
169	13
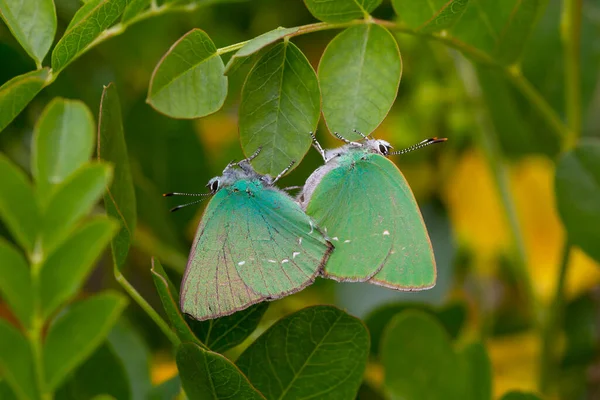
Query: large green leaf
340	10
419	361
87	24
18	207
119	199
188	82
223	333
255	45
63	141
66	269
516	395
479	372
280	106
15	282
429	16
77	333
33	24
359	76
16	363
18	92
322	341
497	28
134	7
208	375
578	195
71	200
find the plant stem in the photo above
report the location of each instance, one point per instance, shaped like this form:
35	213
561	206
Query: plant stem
571	36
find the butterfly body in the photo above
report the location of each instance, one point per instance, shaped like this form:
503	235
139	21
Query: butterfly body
364	204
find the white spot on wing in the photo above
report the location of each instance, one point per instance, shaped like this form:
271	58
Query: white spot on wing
285	260
335	238
241	263
300	241
294	254
386	233
312	228
347	241
272	261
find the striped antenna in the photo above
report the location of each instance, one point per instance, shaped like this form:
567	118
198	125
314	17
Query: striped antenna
185	205
186	194
419	145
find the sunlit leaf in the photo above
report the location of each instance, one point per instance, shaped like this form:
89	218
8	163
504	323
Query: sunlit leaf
15	282
320	341
87	24
578	195
205	374
429	16
359	76
63	141
16	362
280	106
77	333
419	361
119	199
18	92
33	25
340	10
188	82
18	208
66	269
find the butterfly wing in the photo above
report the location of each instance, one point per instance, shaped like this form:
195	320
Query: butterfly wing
372	218
249	247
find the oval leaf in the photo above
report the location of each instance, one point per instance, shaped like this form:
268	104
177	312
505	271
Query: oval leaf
63	141
18	207
33	25
359	75
578	195
205	374
340	10
18	92
65	270
87	24
320	341
71	200
418	359
429	16
16	363
280	106
119	199
188	82
15	282
77	333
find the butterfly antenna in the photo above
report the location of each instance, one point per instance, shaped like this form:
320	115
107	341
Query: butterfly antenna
287	189
185	194
282	173
185	205
317	146
421	144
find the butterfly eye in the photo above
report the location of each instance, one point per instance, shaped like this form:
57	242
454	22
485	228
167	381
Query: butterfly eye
214	186
383	149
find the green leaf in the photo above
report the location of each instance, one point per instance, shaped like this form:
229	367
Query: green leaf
280	106
223	333
577	186
63	141
65	270
498	28
340	10
33	25
15	282
18	208
70	201
87	24
205	374
479	372
133	9
516	395
321	341
167	390
359	75
18	92
581	331
188	82
429	16
16	363
418	359
255	45
77	333
169	298
452	317
119	200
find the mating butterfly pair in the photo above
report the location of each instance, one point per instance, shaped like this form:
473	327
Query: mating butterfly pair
355	220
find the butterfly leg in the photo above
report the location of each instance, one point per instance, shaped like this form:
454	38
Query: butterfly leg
252	156
361	134
356	144
317	146
282	173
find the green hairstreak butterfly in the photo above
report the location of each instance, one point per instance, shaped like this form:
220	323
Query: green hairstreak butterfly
364	204
253	243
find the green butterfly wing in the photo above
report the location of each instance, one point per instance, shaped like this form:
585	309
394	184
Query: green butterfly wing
369	213
250	247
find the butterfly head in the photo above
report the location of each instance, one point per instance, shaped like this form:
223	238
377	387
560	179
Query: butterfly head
378	146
